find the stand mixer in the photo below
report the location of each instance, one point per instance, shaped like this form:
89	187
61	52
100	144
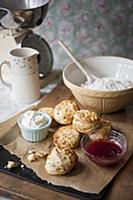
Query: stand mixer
17	21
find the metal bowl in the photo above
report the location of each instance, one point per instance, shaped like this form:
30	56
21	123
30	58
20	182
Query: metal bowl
2	13
26	13
23	4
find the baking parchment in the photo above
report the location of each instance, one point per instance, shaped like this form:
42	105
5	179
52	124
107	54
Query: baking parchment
85	177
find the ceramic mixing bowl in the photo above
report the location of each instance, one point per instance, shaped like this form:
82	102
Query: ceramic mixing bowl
101	66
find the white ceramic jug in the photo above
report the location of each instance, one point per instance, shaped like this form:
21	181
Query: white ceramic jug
24	84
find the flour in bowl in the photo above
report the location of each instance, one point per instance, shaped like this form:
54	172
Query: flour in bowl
108	84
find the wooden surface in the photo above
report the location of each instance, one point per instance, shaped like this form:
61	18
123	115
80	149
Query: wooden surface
15	188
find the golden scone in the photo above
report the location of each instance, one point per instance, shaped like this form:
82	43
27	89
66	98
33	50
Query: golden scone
64	111
86	121
50	112
66	136
103	132
47	110
60	161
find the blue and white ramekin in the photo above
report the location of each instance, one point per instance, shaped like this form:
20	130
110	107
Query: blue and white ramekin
35	134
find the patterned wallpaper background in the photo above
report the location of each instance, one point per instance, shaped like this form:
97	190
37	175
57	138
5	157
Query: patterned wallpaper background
89	28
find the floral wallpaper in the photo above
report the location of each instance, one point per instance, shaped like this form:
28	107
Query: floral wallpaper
89	28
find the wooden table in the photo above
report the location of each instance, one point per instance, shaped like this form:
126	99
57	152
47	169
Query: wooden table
122	186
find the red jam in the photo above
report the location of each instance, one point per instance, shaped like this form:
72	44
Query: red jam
104	149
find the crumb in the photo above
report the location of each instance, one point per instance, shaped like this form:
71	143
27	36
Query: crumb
22	166
36	155
32	157
41	154
31	151
11	164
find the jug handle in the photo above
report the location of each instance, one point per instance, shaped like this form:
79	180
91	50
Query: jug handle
1	76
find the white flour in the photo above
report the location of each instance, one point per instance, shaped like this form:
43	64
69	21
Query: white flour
108	84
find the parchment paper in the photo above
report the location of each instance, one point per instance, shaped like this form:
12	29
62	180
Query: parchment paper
85	177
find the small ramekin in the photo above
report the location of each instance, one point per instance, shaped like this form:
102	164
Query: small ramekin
35	134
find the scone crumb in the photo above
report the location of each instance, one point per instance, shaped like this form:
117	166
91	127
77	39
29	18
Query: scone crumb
36	155
31	151
11	164
41	154
32	157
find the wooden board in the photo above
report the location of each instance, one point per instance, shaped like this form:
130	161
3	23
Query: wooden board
19	189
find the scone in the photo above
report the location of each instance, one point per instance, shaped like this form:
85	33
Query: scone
103	132
60	161
64	111
47	110
66	136
86	121
50	112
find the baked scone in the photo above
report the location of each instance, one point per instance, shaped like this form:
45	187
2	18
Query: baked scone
86	121
47	110
50	112
66	136
103	132
64	111
60	161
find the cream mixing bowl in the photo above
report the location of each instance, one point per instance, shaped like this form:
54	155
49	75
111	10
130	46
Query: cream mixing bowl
100	66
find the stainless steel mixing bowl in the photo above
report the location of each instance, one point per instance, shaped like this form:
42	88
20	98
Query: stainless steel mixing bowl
25	13
23	4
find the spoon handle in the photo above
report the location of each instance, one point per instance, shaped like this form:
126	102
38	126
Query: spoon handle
74	60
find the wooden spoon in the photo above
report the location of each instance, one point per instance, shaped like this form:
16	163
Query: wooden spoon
78	64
